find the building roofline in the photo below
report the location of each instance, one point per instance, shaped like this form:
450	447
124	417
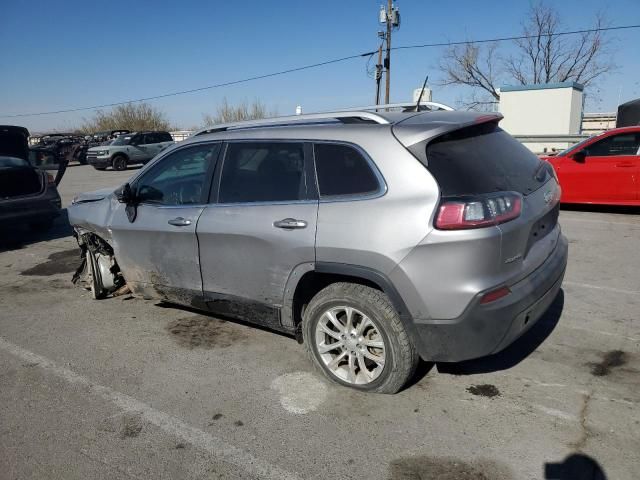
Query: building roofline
542	86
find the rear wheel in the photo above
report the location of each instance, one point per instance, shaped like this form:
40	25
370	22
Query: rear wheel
355	337
119	163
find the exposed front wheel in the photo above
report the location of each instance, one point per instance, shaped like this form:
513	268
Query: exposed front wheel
355	337
94	278
119	163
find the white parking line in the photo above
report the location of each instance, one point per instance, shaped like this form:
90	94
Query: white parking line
168	423
600	287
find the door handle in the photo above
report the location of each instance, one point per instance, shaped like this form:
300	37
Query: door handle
290	224
624	164
179	222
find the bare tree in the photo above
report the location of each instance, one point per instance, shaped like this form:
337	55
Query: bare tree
225	112
130	116
471	65
542	57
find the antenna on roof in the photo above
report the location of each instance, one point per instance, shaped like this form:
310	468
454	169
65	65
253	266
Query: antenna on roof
424	85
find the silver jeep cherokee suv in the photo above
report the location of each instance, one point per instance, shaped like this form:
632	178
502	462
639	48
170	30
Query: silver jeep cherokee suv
377	238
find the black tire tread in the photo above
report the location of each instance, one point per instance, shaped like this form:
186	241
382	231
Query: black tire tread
405	360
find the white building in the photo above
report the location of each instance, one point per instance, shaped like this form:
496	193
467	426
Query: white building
544	117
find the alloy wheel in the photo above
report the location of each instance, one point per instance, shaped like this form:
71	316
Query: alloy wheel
350	345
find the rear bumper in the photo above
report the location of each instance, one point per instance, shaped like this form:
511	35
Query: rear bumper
485	329
29	209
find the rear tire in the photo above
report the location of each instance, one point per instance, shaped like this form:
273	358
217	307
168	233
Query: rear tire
119	163
373	351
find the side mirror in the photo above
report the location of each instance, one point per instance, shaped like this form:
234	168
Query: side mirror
125	194
580	156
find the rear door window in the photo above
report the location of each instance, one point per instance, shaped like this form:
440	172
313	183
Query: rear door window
263	172
342	170
483	159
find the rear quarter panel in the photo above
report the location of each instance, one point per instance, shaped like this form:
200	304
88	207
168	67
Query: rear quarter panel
379	232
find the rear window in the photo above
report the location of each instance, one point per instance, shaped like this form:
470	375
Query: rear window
342	170
483	159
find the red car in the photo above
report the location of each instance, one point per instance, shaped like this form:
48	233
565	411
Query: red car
604	169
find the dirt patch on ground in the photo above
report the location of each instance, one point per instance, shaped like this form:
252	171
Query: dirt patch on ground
484	390
60	262
131	426
427	468
206	332
612	359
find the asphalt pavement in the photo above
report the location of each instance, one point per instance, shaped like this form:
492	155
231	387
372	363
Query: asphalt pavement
132	388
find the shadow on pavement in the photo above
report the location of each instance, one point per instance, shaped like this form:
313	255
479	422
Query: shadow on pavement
517	351
20	236
575	467
619	209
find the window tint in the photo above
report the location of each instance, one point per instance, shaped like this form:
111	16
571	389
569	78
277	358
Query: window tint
483	159
179	178
342	170
164	137
623	144
263	172
150	138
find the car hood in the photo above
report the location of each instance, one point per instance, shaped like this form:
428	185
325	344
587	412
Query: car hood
14	141
98	148
93	196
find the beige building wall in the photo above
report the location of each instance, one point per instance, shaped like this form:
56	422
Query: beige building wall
548	109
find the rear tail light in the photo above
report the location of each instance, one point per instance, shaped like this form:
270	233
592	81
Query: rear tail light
477	212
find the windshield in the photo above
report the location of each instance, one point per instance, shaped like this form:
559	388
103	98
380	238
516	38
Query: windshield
8	162
483	159
574	147
122	140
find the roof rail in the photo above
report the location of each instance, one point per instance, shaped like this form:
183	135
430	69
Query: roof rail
406	106
345	116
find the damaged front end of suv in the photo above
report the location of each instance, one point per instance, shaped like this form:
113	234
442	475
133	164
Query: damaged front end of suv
98	271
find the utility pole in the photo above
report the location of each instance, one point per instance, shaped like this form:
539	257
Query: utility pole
387	61
391	18
379	73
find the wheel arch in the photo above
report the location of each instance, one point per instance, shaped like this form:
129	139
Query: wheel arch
317	276
119	154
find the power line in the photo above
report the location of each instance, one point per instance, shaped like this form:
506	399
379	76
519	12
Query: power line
316	65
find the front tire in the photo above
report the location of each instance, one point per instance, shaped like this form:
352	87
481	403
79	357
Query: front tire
119	163
354	336
94	278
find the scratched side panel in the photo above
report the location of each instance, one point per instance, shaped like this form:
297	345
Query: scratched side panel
244	256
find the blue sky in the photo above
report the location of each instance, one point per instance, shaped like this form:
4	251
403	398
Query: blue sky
82	53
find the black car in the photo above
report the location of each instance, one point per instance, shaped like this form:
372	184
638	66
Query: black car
28	193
